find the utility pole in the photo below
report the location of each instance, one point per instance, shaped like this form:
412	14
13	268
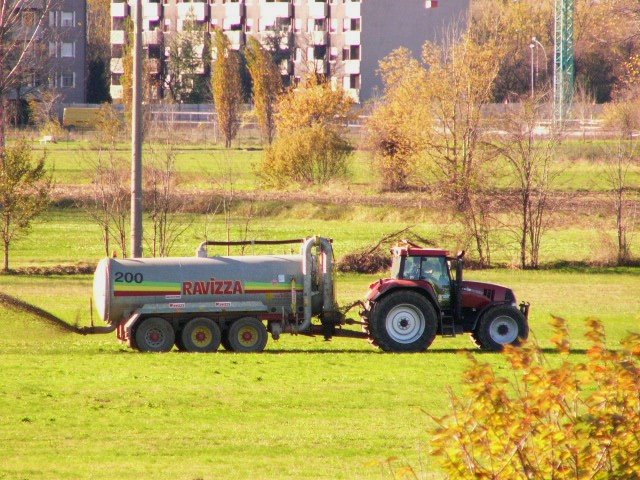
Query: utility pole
563	67
136	136
531	47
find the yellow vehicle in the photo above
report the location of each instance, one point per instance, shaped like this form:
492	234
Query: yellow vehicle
80	118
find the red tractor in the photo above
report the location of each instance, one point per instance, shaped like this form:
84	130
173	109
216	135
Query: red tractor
423	299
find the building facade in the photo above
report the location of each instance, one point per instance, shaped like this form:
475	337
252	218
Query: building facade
67	49
342	39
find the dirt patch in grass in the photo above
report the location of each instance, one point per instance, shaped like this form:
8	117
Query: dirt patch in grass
77	269
15	303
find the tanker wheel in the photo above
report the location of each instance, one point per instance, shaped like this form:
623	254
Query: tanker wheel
500	326
247	334
403	321
200	335
154	334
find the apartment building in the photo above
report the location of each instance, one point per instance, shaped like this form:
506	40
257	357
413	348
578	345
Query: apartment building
342	39
62	41
67	49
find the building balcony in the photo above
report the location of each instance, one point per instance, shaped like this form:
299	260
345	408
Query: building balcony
351	67
275	9
116	92
232	10
154	37
319	38
235	37
198	9
318	9
119	10
117	37
151	11
352	38
353	93
116	65
352	9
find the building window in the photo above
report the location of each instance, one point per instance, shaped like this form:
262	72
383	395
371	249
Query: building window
53	49
351	24
354	81
53	19
68	50
351	53
67	19
67	80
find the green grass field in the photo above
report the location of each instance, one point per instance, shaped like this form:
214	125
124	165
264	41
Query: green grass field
581	166
76	406
86	407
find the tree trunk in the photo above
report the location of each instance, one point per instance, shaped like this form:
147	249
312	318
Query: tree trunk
2	130
6	257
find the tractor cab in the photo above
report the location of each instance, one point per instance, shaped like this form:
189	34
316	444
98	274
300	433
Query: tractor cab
425	265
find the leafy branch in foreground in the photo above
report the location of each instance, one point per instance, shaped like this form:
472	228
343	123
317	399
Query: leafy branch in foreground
550	420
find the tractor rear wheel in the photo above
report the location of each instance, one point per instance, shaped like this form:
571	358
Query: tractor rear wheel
500	326
403	321
154	334
246	335
200	335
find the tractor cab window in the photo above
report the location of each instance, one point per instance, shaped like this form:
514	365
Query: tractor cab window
434	270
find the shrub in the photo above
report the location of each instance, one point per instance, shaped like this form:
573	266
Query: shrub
308	155
573	420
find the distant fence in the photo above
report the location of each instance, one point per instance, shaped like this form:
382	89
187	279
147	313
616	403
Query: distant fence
199	121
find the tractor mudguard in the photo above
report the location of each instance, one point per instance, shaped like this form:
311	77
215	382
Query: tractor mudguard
482	312
382	288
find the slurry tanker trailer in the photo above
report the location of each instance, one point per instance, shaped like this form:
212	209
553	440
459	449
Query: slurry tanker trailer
198	303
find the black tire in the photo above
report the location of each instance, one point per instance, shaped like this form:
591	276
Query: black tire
225	339
154	334
247	335
500	326
403	321
179	345
201	335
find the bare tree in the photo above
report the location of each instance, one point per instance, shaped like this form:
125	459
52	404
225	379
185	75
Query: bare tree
532	165
623	118
23	31
110	199
164	207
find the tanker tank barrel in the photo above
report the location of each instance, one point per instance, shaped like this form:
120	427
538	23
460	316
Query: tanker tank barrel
202	248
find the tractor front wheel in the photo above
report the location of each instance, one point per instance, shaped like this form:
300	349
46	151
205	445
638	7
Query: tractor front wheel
403	321
500	326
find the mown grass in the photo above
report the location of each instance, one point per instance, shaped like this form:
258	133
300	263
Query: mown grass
582	166
69	235
87	407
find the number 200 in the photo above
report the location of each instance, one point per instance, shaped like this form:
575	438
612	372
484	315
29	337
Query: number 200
128	277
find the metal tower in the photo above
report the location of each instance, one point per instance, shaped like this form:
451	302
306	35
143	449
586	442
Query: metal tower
563	68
